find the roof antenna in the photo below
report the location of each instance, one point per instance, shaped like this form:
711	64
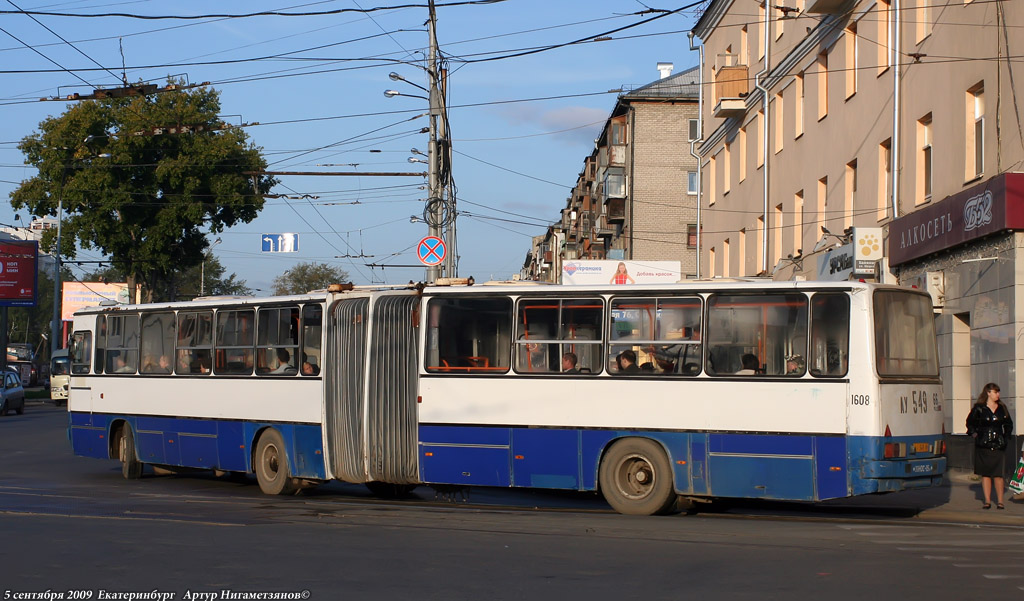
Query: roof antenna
124	72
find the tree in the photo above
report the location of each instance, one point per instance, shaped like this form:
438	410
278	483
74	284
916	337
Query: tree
141	194
308	276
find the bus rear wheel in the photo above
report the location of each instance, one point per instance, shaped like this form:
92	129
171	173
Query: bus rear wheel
636	478
131	467
272	465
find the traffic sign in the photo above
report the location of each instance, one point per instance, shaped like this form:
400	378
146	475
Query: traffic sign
280	243
431	251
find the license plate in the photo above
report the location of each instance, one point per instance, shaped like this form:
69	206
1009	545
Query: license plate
924	468
922	447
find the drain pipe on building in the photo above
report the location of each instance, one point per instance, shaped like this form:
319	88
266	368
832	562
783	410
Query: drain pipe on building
700	138
759	84
894	153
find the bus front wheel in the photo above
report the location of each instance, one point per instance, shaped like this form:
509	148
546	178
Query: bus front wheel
272	465
131	467
636	478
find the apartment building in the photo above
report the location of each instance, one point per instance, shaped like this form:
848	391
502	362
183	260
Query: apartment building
901	117
636	196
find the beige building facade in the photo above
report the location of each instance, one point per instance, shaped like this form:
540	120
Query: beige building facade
821	116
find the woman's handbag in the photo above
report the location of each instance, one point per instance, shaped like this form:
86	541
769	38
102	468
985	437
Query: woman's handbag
990	438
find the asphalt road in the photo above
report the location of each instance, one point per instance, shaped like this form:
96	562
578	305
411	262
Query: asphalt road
72	525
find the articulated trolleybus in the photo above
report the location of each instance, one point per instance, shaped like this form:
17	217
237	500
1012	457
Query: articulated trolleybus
649	394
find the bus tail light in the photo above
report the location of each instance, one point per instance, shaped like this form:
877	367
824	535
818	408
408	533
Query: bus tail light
895	449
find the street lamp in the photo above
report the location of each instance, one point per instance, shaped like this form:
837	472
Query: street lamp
202	269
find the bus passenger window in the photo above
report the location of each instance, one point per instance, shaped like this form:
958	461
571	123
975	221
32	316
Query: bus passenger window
559	336
236	331
830	334
468	335
754	334
312	327
81	352
122	348
277	339
157	343
655	336
195	341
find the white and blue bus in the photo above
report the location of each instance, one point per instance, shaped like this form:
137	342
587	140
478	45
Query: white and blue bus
648	393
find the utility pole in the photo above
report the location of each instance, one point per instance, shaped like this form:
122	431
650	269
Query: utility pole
434	199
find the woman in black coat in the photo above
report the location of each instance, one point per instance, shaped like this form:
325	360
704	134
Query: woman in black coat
990	424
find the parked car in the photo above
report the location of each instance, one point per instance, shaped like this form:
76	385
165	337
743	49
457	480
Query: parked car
12	397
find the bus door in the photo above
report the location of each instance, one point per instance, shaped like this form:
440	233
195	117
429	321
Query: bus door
393	386
344	380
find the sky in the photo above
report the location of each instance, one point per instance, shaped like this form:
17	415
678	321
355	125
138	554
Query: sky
521	125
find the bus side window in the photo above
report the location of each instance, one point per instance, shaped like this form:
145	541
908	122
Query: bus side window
277	340
195	340
751	335
235	336
312	328
81	352
465	334
830	334
122	352
157	343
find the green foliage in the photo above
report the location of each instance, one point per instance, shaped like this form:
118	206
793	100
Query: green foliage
151	203
308	276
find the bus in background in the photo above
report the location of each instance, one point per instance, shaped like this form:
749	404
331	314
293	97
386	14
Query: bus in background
647	393
60	377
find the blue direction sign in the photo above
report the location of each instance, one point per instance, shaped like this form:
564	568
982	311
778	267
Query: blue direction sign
280	243
431	251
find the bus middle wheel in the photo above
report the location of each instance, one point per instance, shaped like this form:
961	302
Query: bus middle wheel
636	478
271	464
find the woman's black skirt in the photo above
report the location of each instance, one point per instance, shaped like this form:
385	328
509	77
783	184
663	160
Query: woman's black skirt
988	462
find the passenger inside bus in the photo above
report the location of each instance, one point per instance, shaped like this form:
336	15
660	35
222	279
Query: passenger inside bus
284	366
750	365
569	361
309	366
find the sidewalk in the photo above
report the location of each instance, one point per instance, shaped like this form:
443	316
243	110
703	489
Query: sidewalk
959	499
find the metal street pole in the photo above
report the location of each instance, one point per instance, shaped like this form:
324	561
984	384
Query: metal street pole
434	180
56	326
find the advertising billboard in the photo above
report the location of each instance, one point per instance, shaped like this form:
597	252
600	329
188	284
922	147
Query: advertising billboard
18	272
79	295
621	272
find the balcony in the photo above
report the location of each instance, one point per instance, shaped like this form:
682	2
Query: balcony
731	87
603	229
615	209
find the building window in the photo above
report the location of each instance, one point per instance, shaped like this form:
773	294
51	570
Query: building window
743	153
923	18
725	258
761	233
694	129
744	50
851	60
798	222
779	122
850	197
924	159
691	182
798	113
727	169
691	235
760	138
884	178
762	24
884	33
741	252
975	132
780	228
822	201
711	181
822	68
711	263
618	133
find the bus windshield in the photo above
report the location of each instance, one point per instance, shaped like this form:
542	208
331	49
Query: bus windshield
61	366
904	334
